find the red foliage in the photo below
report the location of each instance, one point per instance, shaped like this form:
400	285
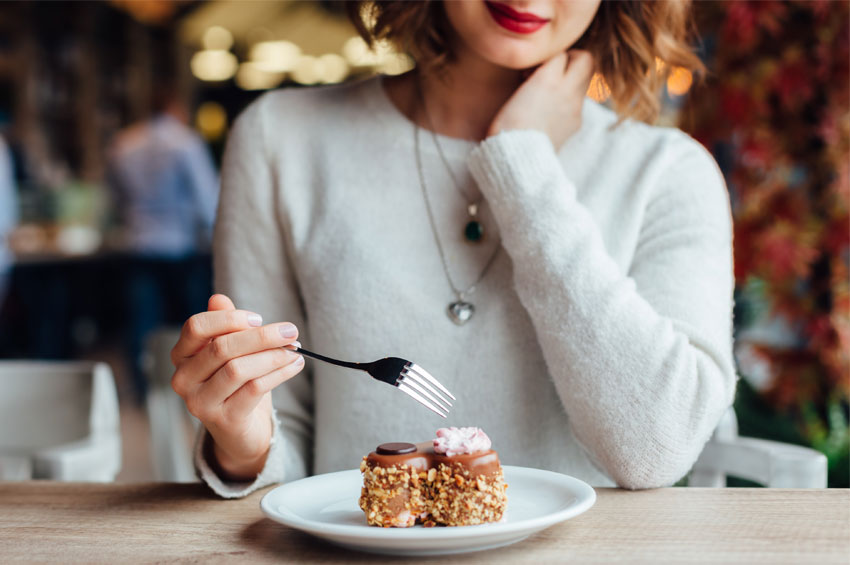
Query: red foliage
777	97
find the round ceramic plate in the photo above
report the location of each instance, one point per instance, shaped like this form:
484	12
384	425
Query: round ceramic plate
326	506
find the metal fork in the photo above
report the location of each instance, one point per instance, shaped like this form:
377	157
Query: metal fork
405	375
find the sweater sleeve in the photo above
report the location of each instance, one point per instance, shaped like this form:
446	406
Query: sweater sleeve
641	360
252	261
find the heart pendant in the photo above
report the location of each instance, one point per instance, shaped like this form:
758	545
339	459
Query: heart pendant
460	312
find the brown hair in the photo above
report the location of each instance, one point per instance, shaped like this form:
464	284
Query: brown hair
634	43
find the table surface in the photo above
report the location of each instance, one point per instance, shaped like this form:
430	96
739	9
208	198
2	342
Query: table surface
120	523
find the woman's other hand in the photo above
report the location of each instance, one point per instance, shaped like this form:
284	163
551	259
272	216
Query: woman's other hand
550	100
227	364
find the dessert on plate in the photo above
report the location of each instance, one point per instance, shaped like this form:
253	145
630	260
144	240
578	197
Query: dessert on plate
454	480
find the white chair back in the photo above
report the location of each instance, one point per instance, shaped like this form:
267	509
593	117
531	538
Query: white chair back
171	437
769	463
43	405
59	421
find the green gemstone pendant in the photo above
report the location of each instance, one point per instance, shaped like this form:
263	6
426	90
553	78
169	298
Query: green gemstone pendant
474	231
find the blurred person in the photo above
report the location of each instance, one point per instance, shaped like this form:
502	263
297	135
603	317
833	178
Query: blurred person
564	269
165	189
8	216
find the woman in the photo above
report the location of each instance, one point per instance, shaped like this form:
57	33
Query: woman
565	273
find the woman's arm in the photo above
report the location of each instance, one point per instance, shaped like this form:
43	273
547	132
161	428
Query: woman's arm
252	264
642	361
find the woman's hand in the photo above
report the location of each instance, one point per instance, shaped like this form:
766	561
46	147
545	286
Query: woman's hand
550	99
227	364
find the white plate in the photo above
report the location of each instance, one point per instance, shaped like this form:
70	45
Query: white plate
326	506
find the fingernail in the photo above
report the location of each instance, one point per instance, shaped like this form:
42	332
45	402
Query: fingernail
255	320
287	330
296	344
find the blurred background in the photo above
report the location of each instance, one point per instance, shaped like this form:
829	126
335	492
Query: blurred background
113	117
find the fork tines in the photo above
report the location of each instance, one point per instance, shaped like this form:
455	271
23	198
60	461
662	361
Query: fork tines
417	383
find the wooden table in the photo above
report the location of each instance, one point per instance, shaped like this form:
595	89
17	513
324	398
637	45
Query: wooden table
56	522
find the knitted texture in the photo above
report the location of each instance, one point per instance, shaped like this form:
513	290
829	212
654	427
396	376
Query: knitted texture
603	329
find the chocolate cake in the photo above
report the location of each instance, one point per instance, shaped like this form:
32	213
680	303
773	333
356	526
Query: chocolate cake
454	480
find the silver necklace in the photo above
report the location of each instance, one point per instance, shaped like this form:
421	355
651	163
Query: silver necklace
473	231
461	310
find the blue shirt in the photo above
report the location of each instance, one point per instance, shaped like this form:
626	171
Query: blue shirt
166	188
8	208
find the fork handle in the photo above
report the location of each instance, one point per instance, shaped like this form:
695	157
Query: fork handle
347	364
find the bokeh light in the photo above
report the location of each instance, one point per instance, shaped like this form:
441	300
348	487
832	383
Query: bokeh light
334	68
396	64
211	120
254	76
679	81
598	89
307	70
275	56
213	65
217	37
358	53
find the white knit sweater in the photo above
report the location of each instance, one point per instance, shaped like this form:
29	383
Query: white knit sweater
601	344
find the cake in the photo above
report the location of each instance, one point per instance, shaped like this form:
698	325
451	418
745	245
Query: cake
454	480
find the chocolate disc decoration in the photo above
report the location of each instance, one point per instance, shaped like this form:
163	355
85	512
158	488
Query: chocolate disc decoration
396	448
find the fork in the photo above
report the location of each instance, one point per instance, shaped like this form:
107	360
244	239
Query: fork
405	375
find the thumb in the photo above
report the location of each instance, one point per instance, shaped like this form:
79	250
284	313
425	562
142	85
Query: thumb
220	302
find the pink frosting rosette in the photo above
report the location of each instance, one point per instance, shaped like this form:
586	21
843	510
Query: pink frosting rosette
458	441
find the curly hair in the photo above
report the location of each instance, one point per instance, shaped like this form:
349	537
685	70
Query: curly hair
635	44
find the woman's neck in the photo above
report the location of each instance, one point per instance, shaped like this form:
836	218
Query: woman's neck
461	101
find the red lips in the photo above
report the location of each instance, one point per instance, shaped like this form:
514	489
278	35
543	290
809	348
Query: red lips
512	20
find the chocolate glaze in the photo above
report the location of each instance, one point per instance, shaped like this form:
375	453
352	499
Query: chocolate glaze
424	458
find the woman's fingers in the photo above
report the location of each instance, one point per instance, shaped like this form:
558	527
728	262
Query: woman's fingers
220	302
245	400
224	351
572	69
228	347
579	69
201	328
552	71
217	302
236	372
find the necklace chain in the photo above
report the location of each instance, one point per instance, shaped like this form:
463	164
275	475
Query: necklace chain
471	204
460	294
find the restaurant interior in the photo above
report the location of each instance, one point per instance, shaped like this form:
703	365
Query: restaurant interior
77	77
102	262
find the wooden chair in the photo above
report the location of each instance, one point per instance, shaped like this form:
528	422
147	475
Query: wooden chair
58	421
768	463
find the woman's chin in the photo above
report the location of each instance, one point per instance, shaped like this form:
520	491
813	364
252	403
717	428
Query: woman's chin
518	64
516	59
522	66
